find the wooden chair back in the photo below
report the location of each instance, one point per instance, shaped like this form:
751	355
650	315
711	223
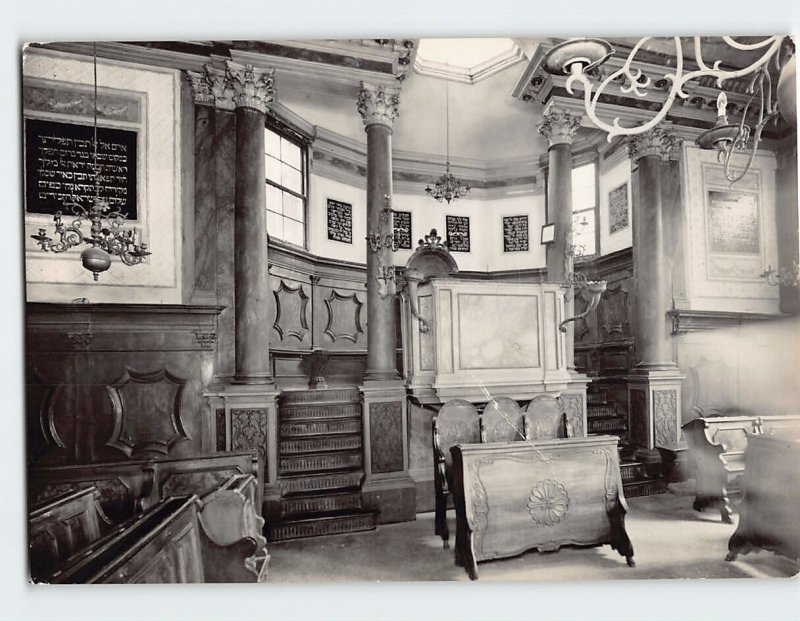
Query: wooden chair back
502	421
456	423
545	419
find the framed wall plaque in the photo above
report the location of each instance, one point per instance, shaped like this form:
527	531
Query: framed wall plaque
59	158
733	222
457	228
515	234
340	221
618	213
401	225
548	233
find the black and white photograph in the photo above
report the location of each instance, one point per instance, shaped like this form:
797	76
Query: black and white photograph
241	366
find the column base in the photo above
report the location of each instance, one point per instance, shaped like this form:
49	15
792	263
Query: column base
258	379
381	376
246	419
654	407
388	488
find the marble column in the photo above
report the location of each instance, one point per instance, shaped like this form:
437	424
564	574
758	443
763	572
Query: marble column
654	387
559	127
377	106
244	399
387	487
253	92
786	219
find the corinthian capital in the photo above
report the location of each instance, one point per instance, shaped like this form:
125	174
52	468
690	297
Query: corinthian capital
378	104
252	88
210	87
657	141
559	126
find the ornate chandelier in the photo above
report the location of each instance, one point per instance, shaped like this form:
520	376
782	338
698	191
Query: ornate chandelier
448	187
106	236
580	58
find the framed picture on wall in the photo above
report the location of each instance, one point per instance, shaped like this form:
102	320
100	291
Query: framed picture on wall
548	233
618	212
733	222
457	228
515	233
340	221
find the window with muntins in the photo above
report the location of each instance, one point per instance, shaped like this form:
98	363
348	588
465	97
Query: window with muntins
584	209
285	164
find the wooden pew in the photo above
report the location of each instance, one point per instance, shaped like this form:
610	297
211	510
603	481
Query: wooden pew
768	515
234	549
61	527
129	487
717	447
516	496
160	546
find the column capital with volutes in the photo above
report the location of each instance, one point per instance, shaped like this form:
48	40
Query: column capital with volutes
252	87
211	87
559	125
378	105
658	142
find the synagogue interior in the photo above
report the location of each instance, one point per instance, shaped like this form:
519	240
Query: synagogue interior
411	309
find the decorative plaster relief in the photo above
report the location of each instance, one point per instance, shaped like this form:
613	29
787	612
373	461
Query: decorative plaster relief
665	417
291	309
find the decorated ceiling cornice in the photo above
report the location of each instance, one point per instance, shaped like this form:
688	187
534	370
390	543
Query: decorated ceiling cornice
330	67
690	116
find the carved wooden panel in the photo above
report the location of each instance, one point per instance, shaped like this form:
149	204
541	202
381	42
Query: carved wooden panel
637	423
665	417
344	316
386	436
572	406
291	312
249	431
613	312
147	412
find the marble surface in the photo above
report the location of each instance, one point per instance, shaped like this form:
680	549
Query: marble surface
498	331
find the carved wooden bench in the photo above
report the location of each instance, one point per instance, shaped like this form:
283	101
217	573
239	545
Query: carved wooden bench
502	420
60	527
128	487
514	496
160	546
234	548
717	447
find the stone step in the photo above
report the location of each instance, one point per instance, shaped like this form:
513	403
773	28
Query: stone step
607	425
600	411
319	463
299	483
312	412
315	526
329	395
632	471
649	487
319	503
320	427
320	444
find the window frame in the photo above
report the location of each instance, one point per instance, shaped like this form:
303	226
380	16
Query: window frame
298	139
578	162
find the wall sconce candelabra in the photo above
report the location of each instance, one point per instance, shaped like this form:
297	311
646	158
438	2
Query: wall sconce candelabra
581	58
784	277
106	236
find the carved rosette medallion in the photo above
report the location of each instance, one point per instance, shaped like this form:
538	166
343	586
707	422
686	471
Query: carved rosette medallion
253	88
657	141
548	503
665	416
378	105
559	126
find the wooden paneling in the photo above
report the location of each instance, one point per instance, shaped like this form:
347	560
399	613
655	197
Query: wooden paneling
106	382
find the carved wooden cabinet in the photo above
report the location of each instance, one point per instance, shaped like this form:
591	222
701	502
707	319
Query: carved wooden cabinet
517	496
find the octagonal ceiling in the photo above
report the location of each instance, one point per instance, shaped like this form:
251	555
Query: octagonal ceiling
465	60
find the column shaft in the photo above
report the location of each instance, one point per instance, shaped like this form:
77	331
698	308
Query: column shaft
648	268
250	241
381	344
